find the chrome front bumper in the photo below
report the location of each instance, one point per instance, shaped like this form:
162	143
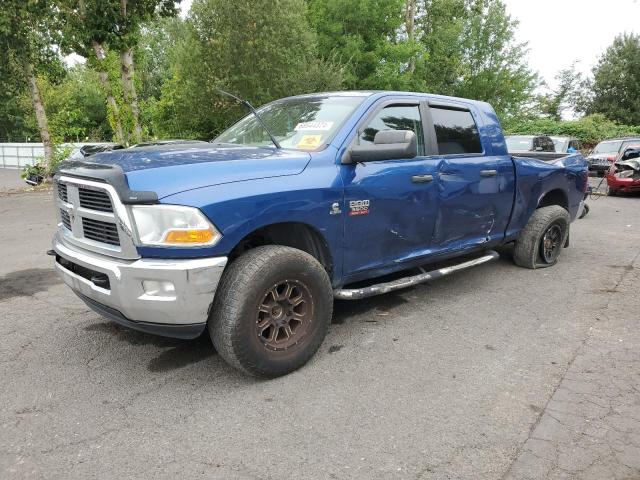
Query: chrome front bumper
132	296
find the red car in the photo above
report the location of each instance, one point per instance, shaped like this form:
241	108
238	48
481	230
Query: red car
624	174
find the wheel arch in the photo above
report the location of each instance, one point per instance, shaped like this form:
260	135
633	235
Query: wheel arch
556	196
293	234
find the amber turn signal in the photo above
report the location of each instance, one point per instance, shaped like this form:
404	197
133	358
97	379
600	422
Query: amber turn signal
189	236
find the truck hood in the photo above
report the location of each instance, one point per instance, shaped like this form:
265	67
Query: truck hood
170	169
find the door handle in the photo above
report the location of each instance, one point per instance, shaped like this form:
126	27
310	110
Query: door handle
488	173
421	178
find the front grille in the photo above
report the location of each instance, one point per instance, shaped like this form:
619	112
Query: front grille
62	192
104	232
95	200
66	220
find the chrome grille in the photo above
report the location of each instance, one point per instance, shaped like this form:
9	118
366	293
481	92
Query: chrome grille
66	220
95	200
92	217
62	192
98	231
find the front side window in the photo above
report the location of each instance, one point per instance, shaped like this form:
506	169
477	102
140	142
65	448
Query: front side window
456	131
395	117
303	123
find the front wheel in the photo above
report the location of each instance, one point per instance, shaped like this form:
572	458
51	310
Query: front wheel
542	239
271	311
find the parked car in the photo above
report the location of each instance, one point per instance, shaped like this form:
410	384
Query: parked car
311	198
541	147
606	152
566	144
624	174
86	150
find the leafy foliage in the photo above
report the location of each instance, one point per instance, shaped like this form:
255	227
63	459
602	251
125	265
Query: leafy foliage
616	82
259	51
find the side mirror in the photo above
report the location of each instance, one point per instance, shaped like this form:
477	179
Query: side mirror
387	145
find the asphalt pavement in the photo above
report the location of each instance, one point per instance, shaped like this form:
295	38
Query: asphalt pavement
496	372
10	179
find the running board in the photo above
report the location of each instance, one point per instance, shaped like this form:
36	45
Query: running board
379	288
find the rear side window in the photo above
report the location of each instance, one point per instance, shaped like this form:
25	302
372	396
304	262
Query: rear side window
456	131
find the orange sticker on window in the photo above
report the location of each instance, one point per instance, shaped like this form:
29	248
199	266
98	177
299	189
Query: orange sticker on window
310	142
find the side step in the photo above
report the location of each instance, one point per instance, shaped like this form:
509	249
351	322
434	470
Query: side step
379	288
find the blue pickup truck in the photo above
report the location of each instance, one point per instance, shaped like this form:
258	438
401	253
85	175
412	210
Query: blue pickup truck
314	197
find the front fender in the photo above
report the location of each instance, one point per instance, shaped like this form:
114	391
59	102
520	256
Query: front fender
238	209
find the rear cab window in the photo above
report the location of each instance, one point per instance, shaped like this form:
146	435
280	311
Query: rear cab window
456	131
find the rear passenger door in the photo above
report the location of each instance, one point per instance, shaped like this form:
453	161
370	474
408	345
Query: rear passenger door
475	188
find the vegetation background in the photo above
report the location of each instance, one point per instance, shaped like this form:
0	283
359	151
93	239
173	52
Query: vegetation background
152	74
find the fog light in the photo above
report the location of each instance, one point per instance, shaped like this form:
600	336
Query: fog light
158	288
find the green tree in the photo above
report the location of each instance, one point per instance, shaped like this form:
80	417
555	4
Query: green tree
494	65
363	36
102	25
76	106
616	81
441	27
260	51
566	96
87	28
27	36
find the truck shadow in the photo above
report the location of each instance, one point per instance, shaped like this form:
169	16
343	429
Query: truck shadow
176	353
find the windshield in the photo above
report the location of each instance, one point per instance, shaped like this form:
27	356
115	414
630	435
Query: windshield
519	143
300	123
607	147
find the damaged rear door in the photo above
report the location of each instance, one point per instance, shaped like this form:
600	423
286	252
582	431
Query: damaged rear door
475	188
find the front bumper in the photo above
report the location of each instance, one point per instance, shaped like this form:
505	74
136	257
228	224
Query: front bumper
126	290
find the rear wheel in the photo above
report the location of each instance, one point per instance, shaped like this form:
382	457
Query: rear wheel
542	239
612	192
272	310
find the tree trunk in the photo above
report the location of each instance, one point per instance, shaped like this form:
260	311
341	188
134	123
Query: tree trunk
106	86
410	19
129	88
41	115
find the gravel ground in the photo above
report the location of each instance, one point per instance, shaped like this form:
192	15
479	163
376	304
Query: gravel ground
496	372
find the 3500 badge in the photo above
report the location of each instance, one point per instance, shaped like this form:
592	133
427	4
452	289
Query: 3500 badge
358	207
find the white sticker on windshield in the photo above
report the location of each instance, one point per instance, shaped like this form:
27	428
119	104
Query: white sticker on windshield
315	126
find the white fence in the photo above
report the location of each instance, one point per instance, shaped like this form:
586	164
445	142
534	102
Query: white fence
18	155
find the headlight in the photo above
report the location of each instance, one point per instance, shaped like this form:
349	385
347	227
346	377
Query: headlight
173	225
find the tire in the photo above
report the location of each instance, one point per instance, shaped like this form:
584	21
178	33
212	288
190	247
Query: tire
256	300
529	251
585	211
611	192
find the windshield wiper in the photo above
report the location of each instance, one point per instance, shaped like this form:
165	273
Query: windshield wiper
257	115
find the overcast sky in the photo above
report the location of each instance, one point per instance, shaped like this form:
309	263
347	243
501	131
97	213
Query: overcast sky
561	31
